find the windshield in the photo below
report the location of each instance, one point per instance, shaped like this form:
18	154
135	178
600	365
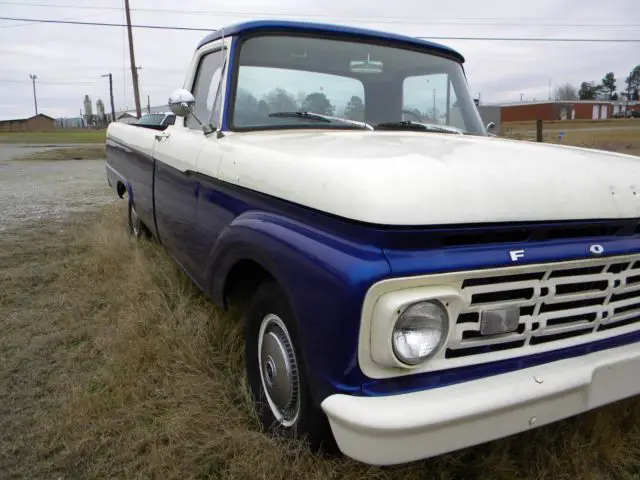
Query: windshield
391	87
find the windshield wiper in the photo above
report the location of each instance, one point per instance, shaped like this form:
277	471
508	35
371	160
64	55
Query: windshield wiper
320	118
418	126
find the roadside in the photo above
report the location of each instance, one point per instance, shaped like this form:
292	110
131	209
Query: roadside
32	190
79	152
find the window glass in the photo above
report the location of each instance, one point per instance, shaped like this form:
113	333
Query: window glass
268	90
150	119
431	99
205	90
279	75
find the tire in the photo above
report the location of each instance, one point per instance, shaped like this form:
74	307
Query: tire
136	228
277	373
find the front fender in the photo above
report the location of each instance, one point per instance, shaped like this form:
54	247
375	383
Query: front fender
325	278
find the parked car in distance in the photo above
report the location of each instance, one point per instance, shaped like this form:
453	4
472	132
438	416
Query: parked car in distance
156	121
623	114
417	286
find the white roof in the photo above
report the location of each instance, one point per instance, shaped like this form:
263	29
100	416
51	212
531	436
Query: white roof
546	102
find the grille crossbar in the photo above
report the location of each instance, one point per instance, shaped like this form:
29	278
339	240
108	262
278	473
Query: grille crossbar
555	304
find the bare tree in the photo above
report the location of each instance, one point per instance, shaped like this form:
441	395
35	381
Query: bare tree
566	92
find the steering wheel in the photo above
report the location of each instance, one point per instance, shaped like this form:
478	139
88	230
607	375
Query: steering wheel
416	116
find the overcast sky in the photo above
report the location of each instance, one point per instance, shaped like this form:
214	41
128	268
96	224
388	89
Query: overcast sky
69	59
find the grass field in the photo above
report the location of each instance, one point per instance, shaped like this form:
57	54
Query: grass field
573	124
612	135
55	137
113	365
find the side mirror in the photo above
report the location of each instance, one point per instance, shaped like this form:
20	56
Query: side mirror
491	126
181	102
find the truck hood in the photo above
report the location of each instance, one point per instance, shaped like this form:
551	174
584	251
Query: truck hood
415	178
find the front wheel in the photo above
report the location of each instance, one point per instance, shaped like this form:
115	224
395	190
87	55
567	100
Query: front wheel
136	228
276	371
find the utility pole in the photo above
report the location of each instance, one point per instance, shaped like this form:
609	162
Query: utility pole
134	70
113	109
148	104
35	99
434	104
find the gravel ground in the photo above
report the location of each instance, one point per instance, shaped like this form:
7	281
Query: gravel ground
38	190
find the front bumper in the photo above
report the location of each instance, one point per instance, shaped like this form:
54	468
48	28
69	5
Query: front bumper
402	428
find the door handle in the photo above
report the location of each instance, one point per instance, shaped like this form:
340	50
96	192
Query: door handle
161	136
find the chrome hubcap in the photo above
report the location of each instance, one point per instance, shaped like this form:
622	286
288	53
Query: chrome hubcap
135	223
279	370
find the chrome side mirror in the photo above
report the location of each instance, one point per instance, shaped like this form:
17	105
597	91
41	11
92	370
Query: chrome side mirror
491	126
181	102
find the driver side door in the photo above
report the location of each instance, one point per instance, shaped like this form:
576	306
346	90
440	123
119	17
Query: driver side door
176	188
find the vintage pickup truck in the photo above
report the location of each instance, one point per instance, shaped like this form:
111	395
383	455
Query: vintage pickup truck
417	286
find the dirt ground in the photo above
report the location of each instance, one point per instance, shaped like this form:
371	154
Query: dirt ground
31	190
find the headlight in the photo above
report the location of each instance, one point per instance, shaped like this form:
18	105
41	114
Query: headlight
420	332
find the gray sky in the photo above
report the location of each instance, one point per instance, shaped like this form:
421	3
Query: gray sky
69	60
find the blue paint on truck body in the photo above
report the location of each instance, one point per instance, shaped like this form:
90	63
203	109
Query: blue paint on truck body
326	264
245	28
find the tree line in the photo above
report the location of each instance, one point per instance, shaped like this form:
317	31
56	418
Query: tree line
280	100
607	89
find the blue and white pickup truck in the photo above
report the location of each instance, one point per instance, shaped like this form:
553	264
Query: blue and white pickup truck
417	286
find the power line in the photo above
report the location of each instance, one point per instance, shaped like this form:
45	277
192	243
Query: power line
75	17
3	80
103	24
432	37
478	21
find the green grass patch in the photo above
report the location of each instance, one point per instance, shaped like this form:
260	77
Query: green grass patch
55	137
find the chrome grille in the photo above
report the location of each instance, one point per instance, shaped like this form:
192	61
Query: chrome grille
562	304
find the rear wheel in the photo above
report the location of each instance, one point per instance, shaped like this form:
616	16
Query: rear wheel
277	374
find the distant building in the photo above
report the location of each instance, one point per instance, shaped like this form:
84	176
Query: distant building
491	113
37	123
563	110
126	118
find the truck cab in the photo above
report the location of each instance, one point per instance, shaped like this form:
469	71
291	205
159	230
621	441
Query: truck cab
415	285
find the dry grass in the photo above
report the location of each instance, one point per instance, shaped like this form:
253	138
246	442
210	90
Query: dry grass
113	365
622	141
615	139
610	123
85	152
